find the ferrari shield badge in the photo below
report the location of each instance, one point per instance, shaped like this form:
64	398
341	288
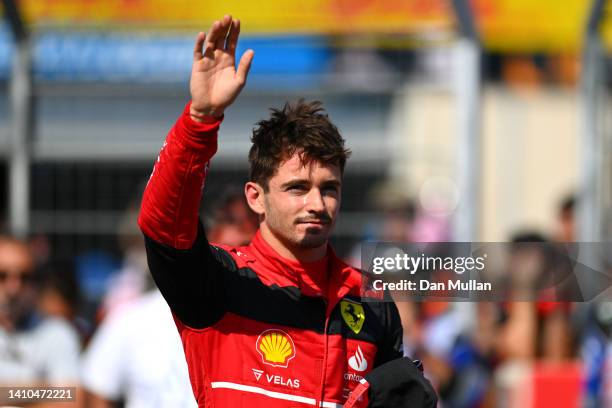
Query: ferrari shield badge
353	315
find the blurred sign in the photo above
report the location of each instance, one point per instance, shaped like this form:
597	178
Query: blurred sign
505	25
532	26
263	16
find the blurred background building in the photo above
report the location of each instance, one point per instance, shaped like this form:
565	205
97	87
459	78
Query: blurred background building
468	120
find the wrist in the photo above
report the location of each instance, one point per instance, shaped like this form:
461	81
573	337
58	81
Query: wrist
210	115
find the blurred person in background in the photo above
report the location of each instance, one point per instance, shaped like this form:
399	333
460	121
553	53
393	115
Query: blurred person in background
132	279
59	294
566	220
535	329
136	354
34	348
233	222
135	357
459	362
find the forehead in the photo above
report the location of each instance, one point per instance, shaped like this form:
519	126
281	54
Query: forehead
315	171
14	257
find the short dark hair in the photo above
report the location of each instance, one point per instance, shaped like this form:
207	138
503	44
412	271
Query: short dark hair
568	204
302	127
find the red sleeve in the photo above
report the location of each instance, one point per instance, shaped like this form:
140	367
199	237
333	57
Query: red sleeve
169	210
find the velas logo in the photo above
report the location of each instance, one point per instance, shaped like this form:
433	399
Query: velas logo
275	347
358	362
257	373
275	379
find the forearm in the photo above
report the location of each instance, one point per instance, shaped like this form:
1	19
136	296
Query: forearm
177	253
169	212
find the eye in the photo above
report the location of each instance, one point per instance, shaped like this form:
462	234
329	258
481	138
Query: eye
331	188
296	188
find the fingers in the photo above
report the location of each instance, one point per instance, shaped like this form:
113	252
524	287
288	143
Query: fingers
226	24
211	37
232	39
198	49
244	66
222	31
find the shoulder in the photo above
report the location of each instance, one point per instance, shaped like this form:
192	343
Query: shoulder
356	279
52	327
146	307
57	336
145	311
231	257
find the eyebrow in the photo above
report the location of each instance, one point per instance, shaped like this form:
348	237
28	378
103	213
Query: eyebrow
294	182
334	183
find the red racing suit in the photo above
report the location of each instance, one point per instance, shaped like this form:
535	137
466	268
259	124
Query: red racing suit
258	330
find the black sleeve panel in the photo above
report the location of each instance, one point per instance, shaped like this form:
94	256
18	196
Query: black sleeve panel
192	280
392	343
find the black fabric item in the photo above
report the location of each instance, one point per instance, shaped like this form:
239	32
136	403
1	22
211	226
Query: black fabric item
193	296
400	384
392	348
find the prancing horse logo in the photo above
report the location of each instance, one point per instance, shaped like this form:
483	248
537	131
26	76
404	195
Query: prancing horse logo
353	314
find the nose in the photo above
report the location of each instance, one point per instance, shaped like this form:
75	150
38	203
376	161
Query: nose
314	201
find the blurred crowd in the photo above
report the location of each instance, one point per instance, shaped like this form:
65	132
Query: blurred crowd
120	347
508	353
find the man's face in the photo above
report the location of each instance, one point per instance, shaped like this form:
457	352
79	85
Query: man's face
15	278
302	202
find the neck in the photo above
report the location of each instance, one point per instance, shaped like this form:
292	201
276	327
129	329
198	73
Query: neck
291	252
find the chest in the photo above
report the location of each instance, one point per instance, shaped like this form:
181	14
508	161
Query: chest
287	343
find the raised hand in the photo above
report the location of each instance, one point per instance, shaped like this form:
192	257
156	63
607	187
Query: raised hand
215	81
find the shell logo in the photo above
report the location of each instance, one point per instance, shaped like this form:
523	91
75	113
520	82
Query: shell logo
275	347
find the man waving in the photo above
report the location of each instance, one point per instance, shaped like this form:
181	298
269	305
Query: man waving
279	322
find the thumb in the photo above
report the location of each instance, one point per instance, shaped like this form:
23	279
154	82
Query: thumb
244	66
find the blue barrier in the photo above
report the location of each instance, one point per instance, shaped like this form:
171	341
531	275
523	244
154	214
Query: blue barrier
288	61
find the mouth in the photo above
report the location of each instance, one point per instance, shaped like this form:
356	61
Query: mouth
314	222
312	225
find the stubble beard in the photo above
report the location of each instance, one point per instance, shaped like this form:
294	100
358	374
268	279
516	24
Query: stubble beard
310	241
286	233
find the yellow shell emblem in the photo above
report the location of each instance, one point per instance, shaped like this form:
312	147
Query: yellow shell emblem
353	315
275	347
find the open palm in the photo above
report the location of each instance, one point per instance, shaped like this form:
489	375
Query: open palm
215	81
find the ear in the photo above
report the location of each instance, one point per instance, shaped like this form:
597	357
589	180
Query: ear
255	197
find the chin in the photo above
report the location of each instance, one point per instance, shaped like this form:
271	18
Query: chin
313	240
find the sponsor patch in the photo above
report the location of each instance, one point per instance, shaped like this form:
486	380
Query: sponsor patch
353	315
275	347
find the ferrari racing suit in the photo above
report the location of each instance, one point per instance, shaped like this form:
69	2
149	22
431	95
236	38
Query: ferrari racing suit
258	330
